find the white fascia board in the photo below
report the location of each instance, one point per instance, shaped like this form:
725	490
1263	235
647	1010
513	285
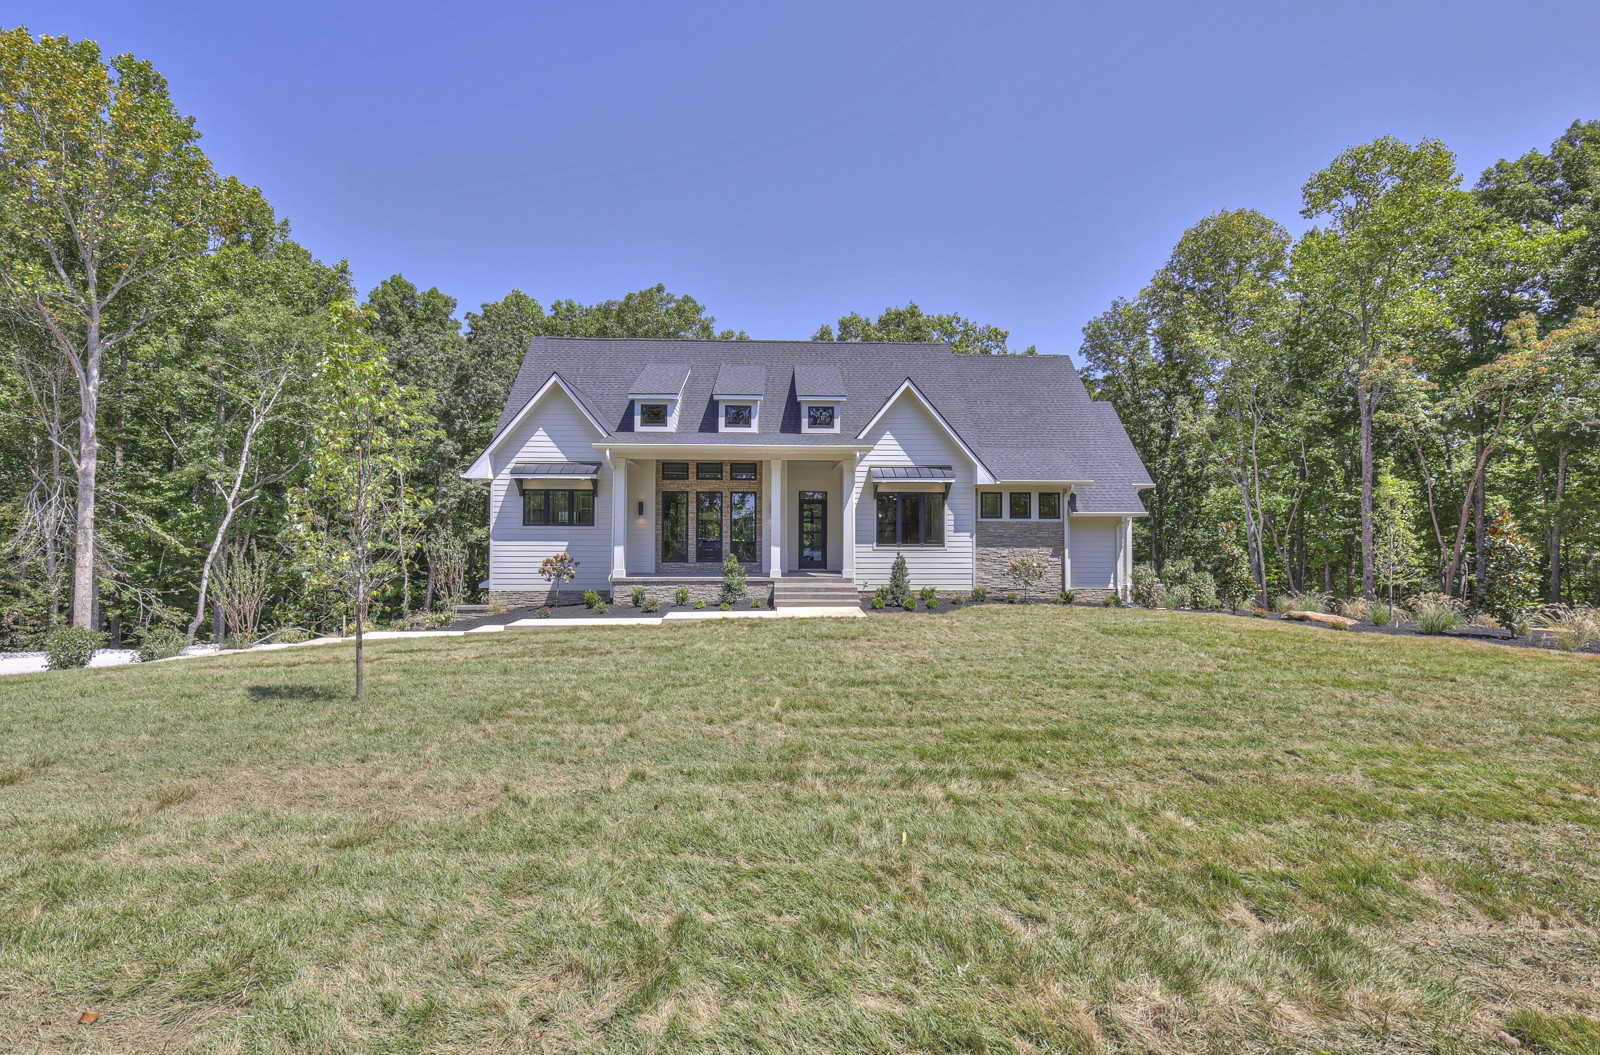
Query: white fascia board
482	469
983	475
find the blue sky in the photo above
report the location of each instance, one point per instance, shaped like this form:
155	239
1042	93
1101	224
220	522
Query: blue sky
1019	163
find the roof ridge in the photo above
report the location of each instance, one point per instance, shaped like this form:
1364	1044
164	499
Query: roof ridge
737	341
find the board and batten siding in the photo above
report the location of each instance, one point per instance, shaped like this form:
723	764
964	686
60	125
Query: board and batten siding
553	431
1094	552
909	435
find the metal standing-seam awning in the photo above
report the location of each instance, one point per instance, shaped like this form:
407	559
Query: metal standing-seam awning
937	478
549	474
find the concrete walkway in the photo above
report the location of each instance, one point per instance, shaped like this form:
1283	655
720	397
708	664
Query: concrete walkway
33	662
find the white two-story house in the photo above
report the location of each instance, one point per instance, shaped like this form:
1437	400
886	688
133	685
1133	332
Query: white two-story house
814	464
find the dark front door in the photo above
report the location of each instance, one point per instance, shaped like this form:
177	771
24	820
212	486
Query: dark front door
813	529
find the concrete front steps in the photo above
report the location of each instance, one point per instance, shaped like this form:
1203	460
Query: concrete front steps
814	591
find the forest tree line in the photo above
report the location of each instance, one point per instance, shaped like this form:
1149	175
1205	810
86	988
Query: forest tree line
1384	405
180	380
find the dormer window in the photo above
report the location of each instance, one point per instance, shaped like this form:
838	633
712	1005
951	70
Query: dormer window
819	417
652	415
657	394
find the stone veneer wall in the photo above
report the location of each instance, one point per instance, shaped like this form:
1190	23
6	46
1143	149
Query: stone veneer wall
1002	541
666	591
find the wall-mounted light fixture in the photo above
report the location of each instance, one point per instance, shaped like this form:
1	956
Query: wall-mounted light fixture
641	507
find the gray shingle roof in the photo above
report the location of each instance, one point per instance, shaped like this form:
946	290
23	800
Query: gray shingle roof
1026	417
739	379
660	379
818	381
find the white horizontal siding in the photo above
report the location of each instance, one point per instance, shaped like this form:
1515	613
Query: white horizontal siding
553	431
908	435
1094	552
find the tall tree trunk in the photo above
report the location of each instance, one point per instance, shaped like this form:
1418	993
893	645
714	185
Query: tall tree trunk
1368	576
83	577
1556	513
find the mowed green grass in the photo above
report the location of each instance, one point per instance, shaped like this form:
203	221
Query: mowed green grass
1004	829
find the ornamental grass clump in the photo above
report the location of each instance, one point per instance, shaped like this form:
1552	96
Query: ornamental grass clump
1435	613
1572	627
1302	601
1357	608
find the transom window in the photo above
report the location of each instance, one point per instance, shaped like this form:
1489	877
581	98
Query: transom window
653	415
989	505
552	508
1021	505
911	519
708	470
1049	505
674	470
741	470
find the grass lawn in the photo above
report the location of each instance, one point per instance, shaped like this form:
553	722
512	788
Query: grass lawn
1029	830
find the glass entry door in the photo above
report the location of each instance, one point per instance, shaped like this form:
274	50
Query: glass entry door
813	529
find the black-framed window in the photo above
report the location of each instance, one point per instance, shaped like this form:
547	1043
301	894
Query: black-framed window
1021	505
989	505
551	508
674	470
741	470
653	415
1049	505
738	415
742	525
708	470
708	526
911	519
675	526
820	416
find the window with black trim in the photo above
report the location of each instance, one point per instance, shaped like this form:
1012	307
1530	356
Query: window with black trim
674	470
819	417
1049	505
708	526
737	415
1021	505
552	508
989	505
741	470
911	519
708	470
675	525
742	525
653	415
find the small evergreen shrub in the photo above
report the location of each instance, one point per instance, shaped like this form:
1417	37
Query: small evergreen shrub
1203	592
1511	572
725	606
1113	601
1066	597
899	582
600	608
542	612
698	605
636	595
734	583
957	599
1147	588
71	647
437	620
756	602
161	642
291	635
1012	598
878	602
590	598
681	596
979	595
1175	597
928	595
909	604
650	604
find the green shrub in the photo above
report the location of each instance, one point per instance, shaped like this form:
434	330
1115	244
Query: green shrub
238	642
1066	597
542	612
1176	597
437	620
1236	581
1012	598
291	635
1026	572
161	642
878	602
1147	588
600	608
1435	613
979	595
931	603
1113	601
681	596
899	582
637	596
71	647
909	604
928	595
1203	592
698	605
756	602
734	583
1511	572
590	598
650	604
725	606
957	599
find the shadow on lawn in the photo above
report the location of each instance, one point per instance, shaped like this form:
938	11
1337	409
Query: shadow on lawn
280	693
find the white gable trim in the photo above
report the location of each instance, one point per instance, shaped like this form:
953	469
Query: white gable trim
481	469
983	475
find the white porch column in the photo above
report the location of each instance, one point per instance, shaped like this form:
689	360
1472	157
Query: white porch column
1125	566
1066	540
775	511
847	536
619	518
